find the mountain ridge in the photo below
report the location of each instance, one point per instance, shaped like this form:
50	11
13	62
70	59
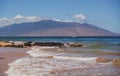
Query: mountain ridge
54	28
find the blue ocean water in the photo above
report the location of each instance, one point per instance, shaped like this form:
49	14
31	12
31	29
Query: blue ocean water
113	40
96	47
112	43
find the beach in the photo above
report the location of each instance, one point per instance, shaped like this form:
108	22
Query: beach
27	58
7	55
55	61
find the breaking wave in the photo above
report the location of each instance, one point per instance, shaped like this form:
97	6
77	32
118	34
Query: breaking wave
42	62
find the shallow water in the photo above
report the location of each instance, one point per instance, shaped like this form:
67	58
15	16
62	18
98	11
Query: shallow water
54	61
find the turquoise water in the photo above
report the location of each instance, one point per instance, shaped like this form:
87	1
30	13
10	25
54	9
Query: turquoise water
113	40
94	47
110	43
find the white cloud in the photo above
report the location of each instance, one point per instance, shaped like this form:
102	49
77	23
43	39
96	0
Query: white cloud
62	20
18	16
79	16
19	19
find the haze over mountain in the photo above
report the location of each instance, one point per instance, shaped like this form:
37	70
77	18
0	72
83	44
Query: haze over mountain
53	28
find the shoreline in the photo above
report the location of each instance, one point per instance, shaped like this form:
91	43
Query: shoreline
41	61
9	54
23	44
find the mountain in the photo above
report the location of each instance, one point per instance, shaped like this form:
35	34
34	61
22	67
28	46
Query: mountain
53	28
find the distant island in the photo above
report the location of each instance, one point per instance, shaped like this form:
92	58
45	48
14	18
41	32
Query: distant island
54	28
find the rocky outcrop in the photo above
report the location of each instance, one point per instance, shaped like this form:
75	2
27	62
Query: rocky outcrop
28	44
20	44
4	44
48	44
74	44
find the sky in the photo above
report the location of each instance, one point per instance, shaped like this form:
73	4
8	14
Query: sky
101	13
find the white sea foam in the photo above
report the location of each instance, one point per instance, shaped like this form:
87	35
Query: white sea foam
42	63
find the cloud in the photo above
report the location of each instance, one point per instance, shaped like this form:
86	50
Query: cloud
62	20
19	19
18	16
79	16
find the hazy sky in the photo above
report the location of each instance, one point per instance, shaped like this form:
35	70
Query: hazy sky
102	13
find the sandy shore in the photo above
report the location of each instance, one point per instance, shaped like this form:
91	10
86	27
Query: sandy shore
45	61
56	61
7	55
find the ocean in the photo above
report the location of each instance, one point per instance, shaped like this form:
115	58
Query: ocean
99	56
110	43
108	39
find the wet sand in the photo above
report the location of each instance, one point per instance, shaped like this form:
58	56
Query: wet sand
68	61
7	55
48	61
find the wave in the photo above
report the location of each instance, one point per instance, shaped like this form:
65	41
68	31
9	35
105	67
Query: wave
42	62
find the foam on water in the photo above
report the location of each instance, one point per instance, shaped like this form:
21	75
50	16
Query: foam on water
46	63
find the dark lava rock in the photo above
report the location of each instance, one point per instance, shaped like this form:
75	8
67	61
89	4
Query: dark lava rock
17	46
28	43
48	44
74	44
